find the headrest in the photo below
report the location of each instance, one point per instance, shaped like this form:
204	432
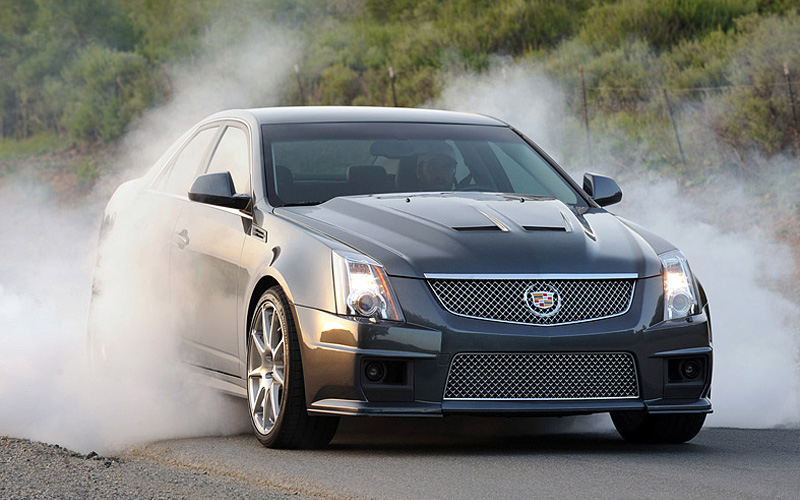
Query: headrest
365	171
283	175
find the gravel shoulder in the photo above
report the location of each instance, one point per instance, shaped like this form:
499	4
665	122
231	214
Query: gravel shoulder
420	460
32	470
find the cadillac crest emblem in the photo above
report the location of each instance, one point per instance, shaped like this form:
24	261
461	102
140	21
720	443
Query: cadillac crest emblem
542	300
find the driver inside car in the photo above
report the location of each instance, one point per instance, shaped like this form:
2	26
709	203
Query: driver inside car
436	172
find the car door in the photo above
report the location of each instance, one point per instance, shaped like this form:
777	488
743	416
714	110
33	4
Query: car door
154	215
204	263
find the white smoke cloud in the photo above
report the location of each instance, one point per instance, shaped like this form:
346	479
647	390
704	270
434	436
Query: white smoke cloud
526	99
756	369
756	365
48	390
241	67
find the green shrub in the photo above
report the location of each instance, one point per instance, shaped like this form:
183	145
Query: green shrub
103	22
338	85
699	63
660	23
37	84
109	89
757	111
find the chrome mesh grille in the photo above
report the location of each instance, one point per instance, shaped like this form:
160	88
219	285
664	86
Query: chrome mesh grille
508	300
542	376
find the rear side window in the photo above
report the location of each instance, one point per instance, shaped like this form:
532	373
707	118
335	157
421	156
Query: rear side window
233	155
184	169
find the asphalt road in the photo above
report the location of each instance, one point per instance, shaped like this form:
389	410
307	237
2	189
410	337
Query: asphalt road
478	458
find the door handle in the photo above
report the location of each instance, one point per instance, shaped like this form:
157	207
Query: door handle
182	239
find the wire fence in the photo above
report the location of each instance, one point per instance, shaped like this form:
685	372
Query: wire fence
787	84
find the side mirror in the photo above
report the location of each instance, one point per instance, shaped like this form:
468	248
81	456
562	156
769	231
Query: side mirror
603	190
217	189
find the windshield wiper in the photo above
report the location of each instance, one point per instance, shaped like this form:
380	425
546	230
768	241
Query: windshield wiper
303	203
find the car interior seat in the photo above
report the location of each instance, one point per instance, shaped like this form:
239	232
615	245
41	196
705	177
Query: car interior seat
367	179
406	179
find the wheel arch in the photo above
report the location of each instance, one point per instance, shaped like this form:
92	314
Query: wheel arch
264	284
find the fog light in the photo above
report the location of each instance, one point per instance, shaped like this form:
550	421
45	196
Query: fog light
690	369
374	371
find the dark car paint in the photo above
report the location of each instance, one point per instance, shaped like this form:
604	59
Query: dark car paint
412	235
292	246
431	336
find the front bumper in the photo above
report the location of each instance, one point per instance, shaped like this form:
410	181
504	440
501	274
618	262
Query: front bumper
335	351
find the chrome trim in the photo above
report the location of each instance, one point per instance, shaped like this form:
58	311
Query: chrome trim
496	222
174	196
567	224
218	122
335	406
691	351
618	276
539	399
539	276
232	211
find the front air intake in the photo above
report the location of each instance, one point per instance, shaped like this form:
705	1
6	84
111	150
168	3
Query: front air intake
542	376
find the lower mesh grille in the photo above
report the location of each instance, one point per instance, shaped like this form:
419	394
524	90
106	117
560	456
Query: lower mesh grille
542	376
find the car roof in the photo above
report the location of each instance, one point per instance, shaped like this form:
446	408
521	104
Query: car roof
355	114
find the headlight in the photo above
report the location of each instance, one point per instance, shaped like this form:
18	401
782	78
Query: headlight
680	298
362	288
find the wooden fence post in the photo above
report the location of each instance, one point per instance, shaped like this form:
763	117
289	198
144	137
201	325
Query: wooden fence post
795	141
394	92
586	119
299	85
674	127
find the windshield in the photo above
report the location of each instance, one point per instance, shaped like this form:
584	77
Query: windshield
309	164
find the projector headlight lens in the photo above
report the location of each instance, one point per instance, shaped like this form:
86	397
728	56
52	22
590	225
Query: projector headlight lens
680	297
362	288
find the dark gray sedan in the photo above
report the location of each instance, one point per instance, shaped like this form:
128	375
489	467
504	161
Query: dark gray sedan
324	262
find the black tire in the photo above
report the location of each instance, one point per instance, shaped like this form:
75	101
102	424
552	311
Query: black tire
639	427
293	427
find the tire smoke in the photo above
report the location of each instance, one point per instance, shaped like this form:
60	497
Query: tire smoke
49	389
743	268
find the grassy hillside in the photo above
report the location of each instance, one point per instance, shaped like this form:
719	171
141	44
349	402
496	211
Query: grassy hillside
75	74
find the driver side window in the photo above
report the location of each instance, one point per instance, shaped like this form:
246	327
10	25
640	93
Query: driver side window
233	155
178	179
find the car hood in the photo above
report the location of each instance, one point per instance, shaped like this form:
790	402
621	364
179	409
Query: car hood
478	233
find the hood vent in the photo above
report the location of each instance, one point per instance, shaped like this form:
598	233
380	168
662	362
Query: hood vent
540	215
545	228
479	228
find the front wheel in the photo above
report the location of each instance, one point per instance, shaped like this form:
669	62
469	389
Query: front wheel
275	392
640	427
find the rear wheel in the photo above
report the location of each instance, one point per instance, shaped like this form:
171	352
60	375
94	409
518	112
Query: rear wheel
640	427
275	393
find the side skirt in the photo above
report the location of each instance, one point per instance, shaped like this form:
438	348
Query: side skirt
222	382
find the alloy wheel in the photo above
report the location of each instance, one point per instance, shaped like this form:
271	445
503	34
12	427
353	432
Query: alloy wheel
265	367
